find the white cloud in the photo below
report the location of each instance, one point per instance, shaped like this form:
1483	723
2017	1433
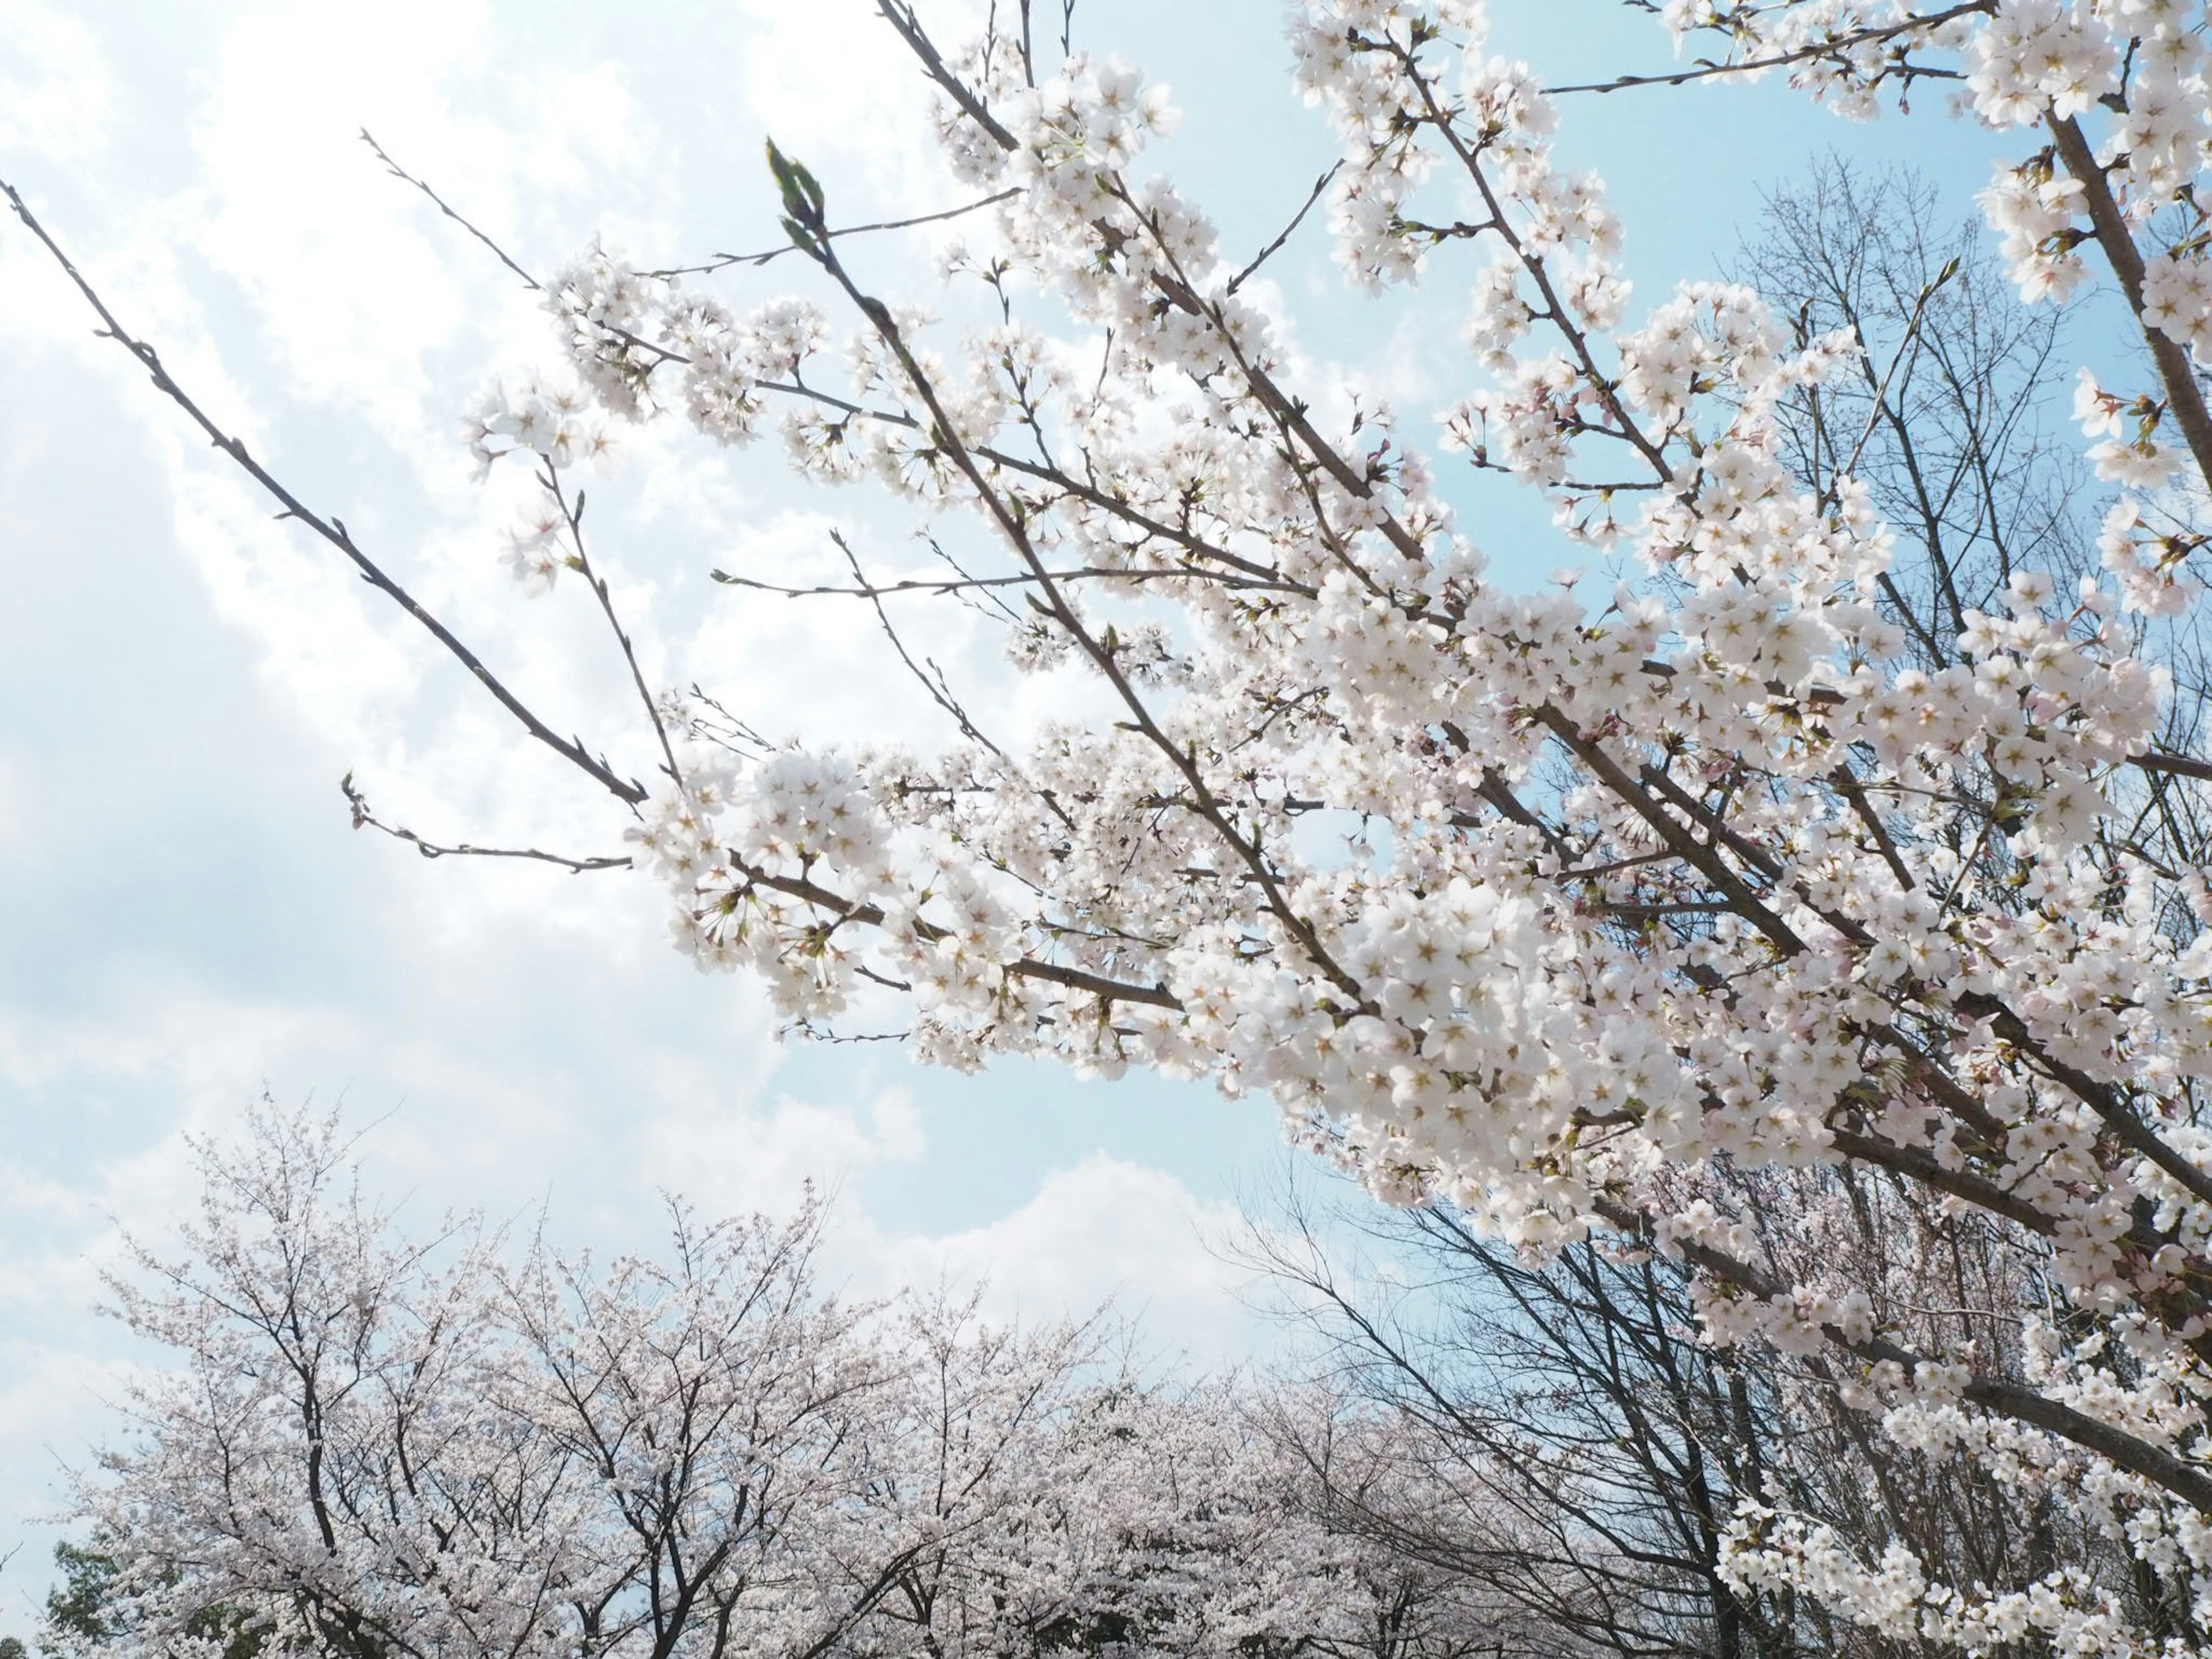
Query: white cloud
16	823
1105	1230
56	89
206	1048
844	95
737	1162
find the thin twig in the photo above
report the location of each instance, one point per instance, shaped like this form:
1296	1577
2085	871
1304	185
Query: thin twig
1907	347
400	173
723	261
940	693
550	478
1284	234
1830	48
817	1034
364	818
997	608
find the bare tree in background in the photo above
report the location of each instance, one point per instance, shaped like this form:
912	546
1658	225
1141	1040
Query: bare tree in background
1950	411
1555	1435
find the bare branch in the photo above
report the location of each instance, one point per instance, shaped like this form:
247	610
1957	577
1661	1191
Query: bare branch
332	531
364	818
497	252
1286	232
1833	47
723	261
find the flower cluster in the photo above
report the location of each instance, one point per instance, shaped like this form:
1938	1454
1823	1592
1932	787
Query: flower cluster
555	424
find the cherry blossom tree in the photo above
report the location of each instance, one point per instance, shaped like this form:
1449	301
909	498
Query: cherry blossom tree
363	1444
379	1446
1553	908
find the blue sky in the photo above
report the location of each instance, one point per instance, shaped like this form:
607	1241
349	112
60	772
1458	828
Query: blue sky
189	919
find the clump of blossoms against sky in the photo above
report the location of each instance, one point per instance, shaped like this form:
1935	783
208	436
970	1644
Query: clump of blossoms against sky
1705	873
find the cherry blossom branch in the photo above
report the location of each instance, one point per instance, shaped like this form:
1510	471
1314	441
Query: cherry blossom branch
1289	416
1065	483
968	584
903	18
332	531
2108	1105
2010	1400
2184	396
1555	309
1105	990
945	434
1705	858
2131	1131
1847	784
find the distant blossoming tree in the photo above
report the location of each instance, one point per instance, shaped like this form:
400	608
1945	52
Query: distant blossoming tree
1742	865
363	1445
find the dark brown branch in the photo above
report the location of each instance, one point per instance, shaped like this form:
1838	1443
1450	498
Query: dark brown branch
1106	990
1847	783
902	18
1701	855
2185	766
2183	394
